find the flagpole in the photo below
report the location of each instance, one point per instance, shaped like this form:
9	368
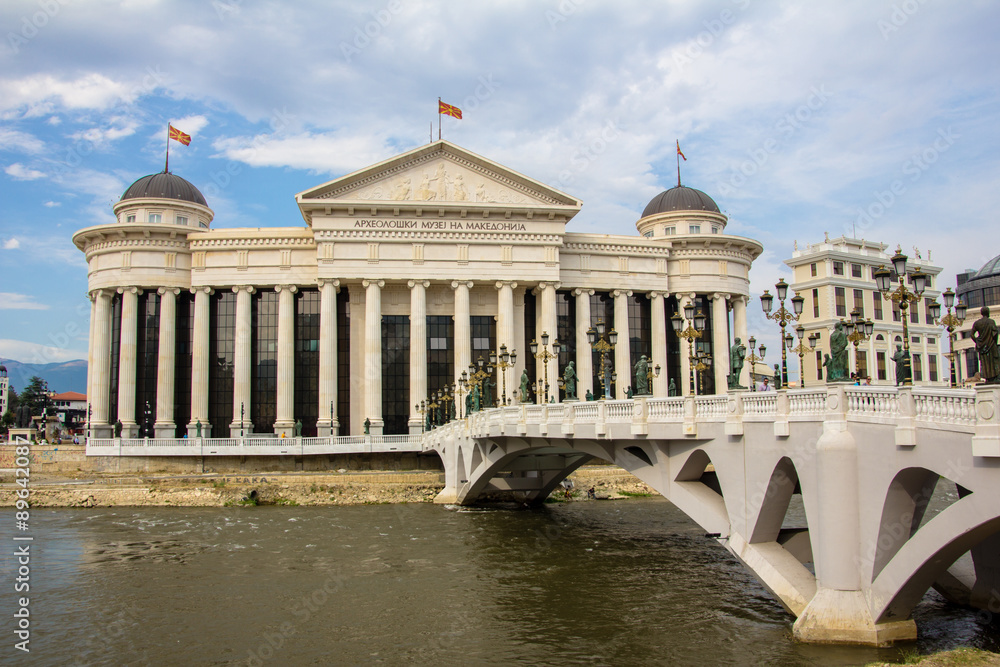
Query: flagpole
439	119
166	167
678	166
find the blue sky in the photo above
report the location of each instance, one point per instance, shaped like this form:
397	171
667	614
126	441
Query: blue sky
796	117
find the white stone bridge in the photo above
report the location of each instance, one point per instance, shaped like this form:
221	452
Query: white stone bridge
865	461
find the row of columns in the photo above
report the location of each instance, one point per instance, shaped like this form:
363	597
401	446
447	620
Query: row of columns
509	320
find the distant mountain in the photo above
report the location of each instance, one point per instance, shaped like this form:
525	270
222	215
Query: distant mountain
66	376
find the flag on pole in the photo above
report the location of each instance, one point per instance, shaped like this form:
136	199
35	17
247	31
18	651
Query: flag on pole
449	110
679	150
177	135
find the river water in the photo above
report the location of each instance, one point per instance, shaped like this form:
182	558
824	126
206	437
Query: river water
588	583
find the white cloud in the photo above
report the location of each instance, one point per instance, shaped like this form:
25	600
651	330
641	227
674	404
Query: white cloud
34	353
116	128
38	94
190	124
14	140
330	153
13	301
11	244
52	204
22	173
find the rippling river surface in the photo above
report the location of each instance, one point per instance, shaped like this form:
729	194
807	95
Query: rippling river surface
593	583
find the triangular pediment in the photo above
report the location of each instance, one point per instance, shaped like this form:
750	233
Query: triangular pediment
442	173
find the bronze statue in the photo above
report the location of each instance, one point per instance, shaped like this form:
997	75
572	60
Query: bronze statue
569	380
984	333
525	395
368	426
777	377
837	371
737	353
899	356
298	428
641	369
672	387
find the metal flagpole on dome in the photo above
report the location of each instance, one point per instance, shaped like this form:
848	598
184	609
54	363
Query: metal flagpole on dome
166	167
679	156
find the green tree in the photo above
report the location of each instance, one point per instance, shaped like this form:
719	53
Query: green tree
6	421
34	395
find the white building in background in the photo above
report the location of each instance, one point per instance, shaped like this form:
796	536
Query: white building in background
836	276
4	391
402	275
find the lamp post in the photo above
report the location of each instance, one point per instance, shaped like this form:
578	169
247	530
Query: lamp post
950	322
477	376
545	356
446	398
690	332
801	349
858	331
432	406
461	388
702	362
603	345
90	412
421	407
782	316
904	297
503	361
148	426
651	373
242	414
753	358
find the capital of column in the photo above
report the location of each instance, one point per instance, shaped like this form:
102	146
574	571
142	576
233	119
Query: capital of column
655	294
717	296
332	281
203	289
579	291
291	288
164	290
455	284
132	289
510	283
367	283
95	293
619	292
413	283
542	285
249	289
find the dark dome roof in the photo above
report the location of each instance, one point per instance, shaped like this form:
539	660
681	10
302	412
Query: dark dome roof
990	268
680	198
164	186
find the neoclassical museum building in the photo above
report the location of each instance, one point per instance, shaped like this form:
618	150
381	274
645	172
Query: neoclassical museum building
403	274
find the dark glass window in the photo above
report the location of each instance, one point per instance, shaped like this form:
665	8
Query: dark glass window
344	360
838	268
819	365
639	331
927	311
116	346
932	370
147	351
530	334
812	269
182	361
264	360
841	300
440	352
918	368
395	374
862	361
880	362
222	357
602	307
877	304
855	270
483	329
971	362
915	313
566	317
815	302
705	378
895	312
974	299
991	296
307	312
859	301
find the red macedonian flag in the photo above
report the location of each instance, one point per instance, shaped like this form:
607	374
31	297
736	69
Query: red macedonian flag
679	151
177	135
449	110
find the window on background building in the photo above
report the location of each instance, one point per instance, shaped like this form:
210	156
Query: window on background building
895	312
694	229
855	270
812	269
155	217
859	301
974	299
819	365
915	313
130	217
914	339
971	362
862	361
203	225
927	311
841	299
877	304
932	369
838	268
715	230
918	368
395	374
815	302
880	365
669	231
181	220
648	234
991	296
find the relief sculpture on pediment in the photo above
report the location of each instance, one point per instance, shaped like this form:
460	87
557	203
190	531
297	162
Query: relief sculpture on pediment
401	191
424	192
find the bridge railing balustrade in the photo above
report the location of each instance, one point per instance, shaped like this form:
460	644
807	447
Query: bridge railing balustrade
585	413
619	411
533	414
711	407
665	409
760	404
806	401
945	406
876	403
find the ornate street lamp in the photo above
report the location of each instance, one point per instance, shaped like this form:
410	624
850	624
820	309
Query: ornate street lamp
753	359
782	316
904	297
478	372
504	361
857	331
599	344
545	356
690	332
801	349
950	322
421	407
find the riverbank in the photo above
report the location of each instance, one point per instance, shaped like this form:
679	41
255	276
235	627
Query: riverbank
340	487
964	657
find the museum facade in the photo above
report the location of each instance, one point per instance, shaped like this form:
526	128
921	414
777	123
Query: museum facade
404	274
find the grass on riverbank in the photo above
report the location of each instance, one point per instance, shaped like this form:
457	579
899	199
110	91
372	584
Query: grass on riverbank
960	657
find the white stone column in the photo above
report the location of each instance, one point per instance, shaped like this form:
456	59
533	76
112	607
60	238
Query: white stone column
463	327
199	363
740	331
284	416
126	361
550	324
657	313
524	354
505	333
373	355
328	423
418	351
242	424
686	347
584	353
91	367
720	342
166	360
101	346
623	350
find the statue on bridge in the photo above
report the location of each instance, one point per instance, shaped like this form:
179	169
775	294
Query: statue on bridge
900	358
984	333
641	369
777	377
525	395
569	380
837	371
672	387
737	353
488	386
